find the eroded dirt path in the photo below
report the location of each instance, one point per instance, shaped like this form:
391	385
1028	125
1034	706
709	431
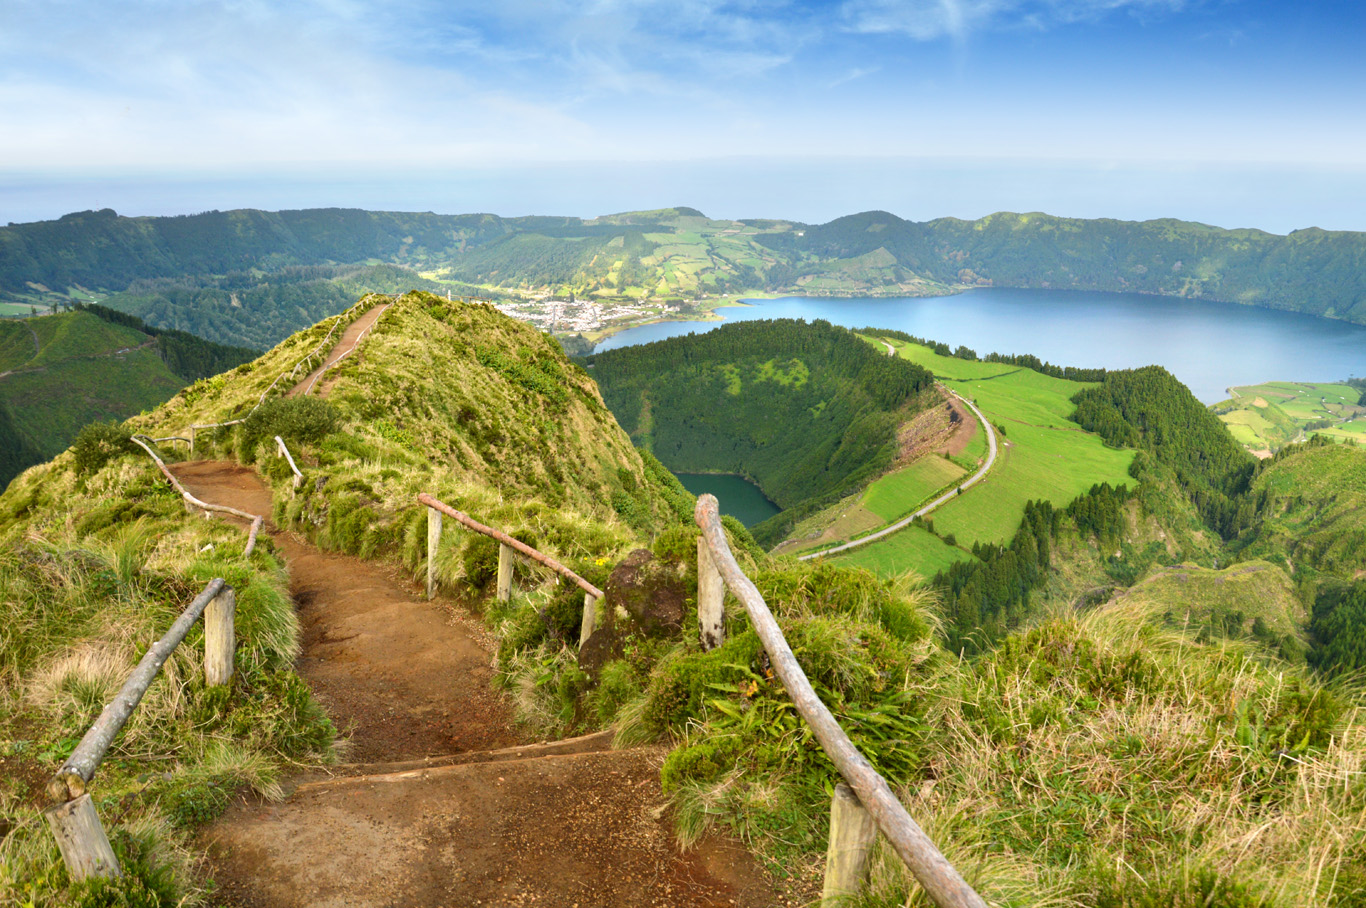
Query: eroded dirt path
423	814
349	339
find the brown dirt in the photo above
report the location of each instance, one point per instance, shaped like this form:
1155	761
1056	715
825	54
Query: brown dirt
966	428
425	817
348	341
585	830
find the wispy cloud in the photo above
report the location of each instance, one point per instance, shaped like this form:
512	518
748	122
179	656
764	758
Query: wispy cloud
928	20
857	72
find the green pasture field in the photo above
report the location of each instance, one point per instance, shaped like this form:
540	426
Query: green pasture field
1043	454
18	310
898	494
913	548
1273	414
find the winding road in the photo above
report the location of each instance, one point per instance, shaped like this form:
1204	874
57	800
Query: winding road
952	493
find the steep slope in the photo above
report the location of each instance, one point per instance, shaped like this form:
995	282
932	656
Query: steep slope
65	371
454	399
1313	507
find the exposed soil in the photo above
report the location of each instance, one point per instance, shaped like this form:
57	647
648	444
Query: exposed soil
350	337
965	428
425	815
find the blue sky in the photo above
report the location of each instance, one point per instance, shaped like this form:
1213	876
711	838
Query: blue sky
1231	112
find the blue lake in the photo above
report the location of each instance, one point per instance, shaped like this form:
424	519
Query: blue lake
1209	346
736	495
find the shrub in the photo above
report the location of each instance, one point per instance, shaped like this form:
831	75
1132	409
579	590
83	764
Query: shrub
301	420
98	443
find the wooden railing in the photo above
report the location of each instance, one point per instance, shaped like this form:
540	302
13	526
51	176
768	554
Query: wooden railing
75	824
192	502
592	596
867	792
282	451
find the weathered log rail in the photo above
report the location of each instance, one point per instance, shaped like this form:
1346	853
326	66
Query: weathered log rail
329	366
851	837
75	824
192	503
507	546
282	451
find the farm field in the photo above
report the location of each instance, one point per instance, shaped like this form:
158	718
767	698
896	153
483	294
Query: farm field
914	548
1043	454
897	494
1266	417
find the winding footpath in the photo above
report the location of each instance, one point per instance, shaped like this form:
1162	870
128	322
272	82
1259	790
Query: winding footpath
947	496
445	802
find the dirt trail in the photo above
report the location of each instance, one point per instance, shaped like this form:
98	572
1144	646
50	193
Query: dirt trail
350	337
424	816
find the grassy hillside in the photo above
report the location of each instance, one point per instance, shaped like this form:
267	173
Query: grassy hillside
1251	600
68	370
94	564
1313	508
454	399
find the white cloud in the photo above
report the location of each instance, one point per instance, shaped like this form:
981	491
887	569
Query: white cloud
929	20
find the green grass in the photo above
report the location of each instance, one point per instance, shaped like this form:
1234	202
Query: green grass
16	345
49	407
93	568
899	493
1268	416
1043	455
913	548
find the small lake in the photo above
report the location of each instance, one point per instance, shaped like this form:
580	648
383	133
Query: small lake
737	496
1209	346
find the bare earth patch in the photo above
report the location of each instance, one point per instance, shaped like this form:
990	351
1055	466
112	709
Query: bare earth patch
425	816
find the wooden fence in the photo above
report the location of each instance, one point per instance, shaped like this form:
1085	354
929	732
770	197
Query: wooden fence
75	824
864	803
507	547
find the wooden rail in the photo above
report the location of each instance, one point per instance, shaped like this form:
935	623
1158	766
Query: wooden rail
592	596
944	885
282	451
192	502
74	822
328	366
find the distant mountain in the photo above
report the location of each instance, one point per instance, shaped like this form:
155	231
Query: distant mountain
253	277
60	372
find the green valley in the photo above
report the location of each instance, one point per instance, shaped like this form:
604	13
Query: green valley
250	277
61	372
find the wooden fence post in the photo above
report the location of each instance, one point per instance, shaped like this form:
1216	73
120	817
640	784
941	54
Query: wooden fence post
852	833
80	837
505	556
433	540
590	618
219	637
711	597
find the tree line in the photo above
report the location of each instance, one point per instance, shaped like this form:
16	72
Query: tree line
808	411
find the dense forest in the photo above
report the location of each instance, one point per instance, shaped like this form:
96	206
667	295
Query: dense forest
186	355
808	411
1149	409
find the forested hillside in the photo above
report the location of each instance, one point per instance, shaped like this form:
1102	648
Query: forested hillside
251	269
94	364
807	411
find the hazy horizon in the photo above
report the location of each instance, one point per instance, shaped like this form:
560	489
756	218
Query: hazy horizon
1236	113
